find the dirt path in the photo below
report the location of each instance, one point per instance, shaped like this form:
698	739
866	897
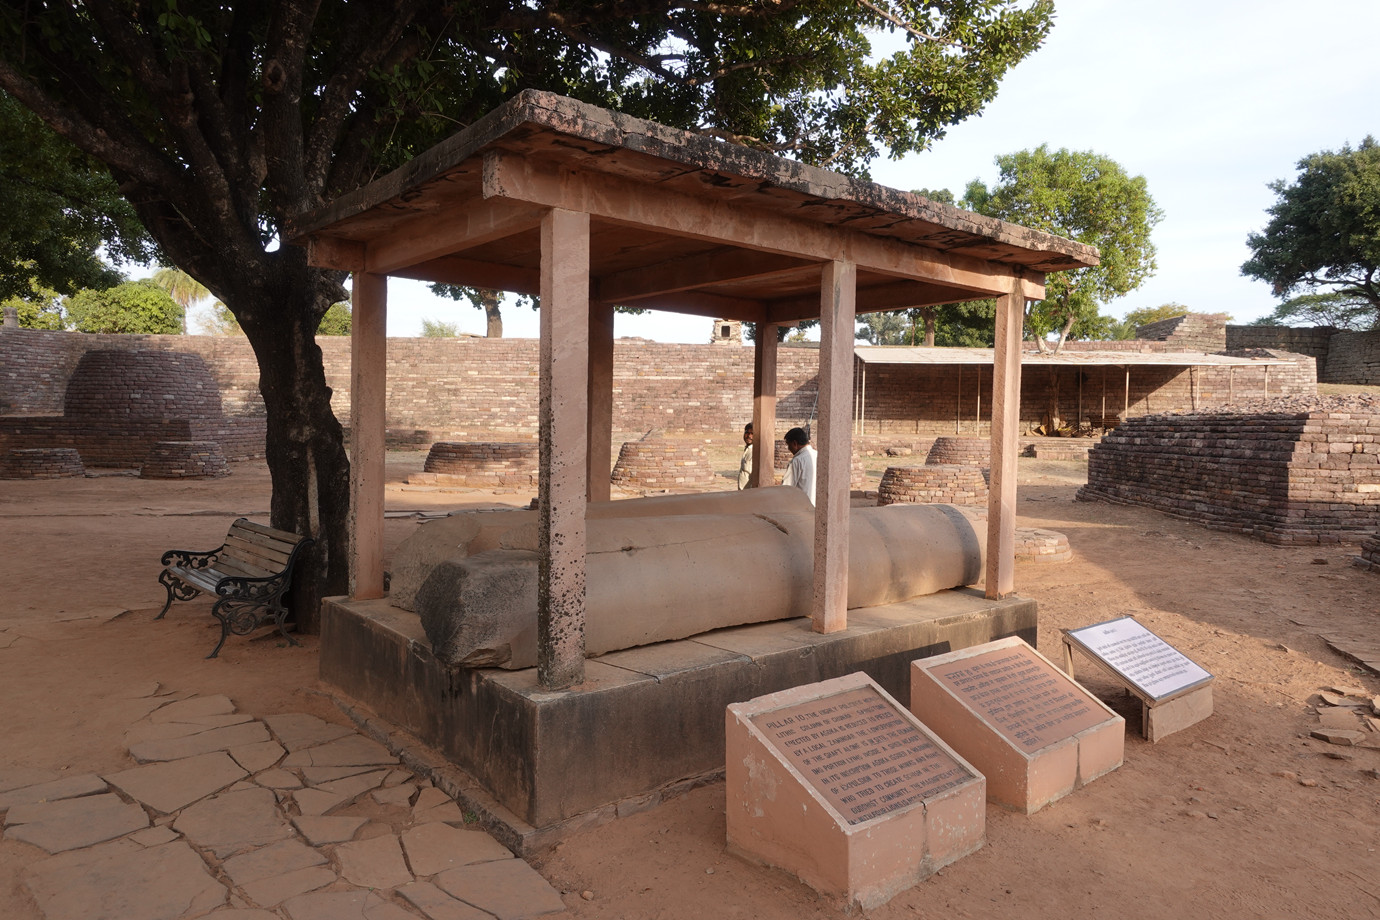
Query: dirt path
1241	816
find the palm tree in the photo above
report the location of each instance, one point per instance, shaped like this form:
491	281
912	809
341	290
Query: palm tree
182	288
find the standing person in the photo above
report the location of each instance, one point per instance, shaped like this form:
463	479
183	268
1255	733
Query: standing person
801	472
745	465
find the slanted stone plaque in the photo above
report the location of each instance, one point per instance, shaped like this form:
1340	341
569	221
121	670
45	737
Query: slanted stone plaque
1032	731
1174	691
840	785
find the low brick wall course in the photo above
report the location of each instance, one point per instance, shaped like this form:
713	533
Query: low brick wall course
42	463
933	484
185	460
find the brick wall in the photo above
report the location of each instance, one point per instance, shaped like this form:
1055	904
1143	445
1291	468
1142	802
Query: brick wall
1308	341
1353	357
481	389
1193	332
1284	477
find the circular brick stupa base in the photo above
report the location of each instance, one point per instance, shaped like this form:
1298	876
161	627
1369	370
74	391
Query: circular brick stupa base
945	484
481	464
656	463
1369	559
966	451
185	460
42	463
1041	546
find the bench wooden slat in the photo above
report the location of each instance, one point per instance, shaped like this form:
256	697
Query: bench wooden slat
267	531
254	538
265	555
240	569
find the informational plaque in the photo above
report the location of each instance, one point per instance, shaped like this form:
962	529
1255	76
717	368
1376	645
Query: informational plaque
861	754
1021	695
1150	666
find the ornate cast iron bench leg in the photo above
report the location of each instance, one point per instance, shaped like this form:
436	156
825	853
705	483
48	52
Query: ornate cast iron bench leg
178	590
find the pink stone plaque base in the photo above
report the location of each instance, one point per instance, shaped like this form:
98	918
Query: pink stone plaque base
1029	728
838	784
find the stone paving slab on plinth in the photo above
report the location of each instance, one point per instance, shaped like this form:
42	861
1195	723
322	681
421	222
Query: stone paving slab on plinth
234	821
509	889
172	785
69	824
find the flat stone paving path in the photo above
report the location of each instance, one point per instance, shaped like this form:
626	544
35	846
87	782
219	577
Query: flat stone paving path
288	817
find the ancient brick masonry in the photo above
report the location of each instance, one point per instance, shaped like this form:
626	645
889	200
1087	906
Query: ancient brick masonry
481	464
1369	559
657	463
969	451
42	463
1308	472
942	483
185	460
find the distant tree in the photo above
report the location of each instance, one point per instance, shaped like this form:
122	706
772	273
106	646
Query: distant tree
220	321
135	306
62	210
41	308
182	288
941	195
1324	231
1086	197
435	329
1147	315
336	321
886	328
486	299
1336	309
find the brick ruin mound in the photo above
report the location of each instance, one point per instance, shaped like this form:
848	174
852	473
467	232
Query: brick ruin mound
481	464
1292	470
655	462
119	404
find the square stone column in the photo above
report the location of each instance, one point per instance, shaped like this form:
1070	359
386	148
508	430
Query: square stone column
838	291
1006	423
564	448
368	391
764	406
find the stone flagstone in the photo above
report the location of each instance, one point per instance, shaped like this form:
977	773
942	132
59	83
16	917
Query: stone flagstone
345	905
317	775
153	836
278	779
256	757
193	708
400	796
244	913
67	788
233	821
433	848
217	739
354	785
438	905
355	750
299	730
373	863
509	889
120	881
15	777
316	802
323	829
271	892
74	823
161	731
275	859
175	784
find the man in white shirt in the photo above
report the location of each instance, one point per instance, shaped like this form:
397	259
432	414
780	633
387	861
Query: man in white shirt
801	472
745	465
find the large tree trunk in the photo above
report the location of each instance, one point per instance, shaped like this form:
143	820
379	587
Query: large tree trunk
279	309
491	301
928	314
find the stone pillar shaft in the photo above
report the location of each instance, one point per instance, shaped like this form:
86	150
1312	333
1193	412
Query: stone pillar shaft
564	448
368	389
1006	415
764	407
838	291
600	401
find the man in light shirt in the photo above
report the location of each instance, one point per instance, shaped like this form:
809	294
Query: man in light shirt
801	472
745	465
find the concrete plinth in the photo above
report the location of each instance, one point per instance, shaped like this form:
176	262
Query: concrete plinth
645	718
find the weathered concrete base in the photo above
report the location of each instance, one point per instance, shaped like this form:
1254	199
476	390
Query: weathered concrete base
1163	719
645	718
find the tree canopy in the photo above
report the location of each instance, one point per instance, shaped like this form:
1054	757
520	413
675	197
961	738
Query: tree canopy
1333	308
219	121
135	306
61	209
1323	236
1086	197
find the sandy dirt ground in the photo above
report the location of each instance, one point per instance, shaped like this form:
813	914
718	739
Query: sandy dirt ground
1241	816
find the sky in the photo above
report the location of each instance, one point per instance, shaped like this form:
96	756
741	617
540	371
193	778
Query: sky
1209	100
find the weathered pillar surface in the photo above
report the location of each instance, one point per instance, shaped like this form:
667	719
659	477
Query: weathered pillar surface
600	401
564	448
835	445
764	407
1006	414
368	388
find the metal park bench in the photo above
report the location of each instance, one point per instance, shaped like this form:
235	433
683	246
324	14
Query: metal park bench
250	574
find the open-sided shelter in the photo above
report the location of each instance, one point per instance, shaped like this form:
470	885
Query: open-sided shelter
590	209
